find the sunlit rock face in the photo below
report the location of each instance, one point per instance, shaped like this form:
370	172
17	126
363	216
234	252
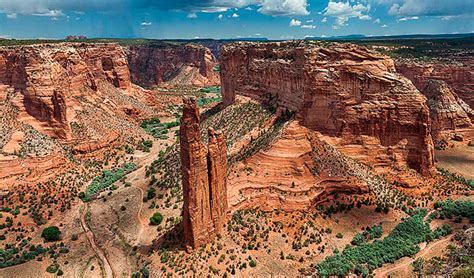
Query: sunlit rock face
204	179
340	90
48	76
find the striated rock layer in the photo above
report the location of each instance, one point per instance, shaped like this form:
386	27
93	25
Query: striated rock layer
204	179
459	76
448	111
340	90
184	64
47	76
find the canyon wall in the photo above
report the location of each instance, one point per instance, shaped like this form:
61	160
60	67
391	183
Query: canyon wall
458	75
448	112
187	64
340	90
204	179
449	87
48	76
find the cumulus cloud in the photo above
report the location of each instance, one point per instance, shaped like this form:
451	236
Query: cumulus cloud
12	15
308	26
220	16
343	11
146	23
295	22
284	7
406	8
234	15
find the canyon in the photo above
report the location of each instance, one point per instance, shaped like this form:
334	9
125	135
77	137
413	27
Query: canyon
157	158
340	90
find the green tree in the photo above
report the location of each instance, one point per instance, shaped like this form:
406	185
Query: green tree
156	219
51	233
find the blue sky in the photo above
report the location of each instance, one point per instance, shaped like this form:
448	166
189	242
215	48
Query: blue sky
274	19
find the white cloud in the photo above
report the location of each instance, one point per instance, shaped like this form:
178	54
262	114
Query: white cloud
406	8
235	15
284	7
12	16
384	26
408	18
449	17
343	11
295	22
309	21
377	21
268	7
192	15
324	20
220	16
51	13
146	23
309	26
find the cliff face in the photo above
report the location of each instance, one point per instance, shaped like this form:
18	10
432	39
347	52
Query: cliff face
340	90
48	76
204	179
448	112
459	76
184	64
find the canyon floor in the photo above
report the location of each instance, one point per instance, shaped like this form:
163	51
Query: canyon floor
301	202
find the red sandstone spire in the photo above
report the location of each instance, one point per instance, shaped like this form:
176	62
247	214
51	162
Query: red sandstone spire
204	184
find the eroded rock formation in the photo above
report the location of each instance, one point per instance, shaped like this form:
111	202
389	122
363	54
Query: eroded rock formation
204	179
458	75
448	112
340	90
184	64
48	76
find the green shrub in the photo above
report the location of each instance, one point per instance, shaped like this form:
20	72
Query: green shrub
53	268
51	233
402	241
450	208
252	263
107	179
156	219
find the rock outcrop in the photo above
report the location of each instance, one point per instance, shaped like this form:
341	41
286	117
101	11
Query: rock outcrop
49	75
217	169
340	90
204	179
189	64
459	75
448	112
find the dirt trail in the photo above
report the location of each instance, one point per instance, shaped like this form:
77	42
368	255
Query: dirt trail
385	271
90	237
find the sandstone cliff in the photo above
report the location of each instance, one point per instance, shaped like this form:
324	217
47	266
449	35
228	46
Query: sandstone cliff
459	76
48	76
448	111
203	178
183	64
340	90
